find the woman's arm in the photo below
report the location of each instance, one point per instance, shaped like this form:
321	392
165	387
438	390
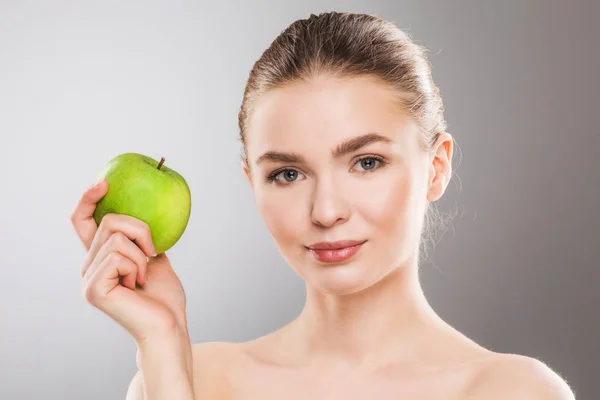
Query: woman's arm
135	391
123	277
165	369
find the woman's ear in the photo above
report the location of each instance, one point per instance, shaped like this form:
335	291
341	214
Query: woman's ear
440	171
246	172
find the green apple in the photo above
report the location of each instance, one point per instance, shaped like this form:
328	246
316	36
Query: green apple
148	190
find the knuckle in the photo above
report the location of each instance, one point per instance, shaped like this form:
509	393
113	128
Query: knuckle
75	219
108	219
145	228
114	258
118	239
90	294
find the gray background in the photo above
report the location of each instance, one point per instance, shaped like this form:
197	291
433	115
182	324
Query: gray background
81	82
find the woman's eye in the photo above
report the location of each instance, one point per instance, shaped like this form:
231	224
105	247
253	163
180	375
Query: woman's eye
368	163
286	176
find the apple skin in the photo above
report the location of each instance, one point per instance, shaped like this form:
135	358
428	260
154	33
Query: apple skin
160	198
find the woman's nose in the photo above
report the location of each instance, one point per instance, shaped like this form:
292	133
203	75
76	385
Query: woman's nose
329	204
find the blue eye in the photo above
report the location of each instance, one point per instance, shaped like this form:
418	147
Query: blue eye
286	175
289	175
369	163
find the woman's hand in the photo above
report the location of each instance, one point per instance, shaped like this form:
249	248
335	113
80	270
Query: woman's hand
123	277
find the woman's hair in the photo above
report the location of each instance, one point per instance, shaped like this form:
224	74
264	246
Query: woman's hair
344	44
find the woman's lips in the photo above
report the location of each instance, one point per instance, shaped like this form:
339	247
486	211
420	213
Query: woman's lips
335	252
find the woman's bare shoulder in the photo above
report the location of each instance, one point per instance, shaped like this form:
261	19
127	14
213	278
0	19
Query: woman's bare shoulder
215	363
214	349
518	377
498	376
212	361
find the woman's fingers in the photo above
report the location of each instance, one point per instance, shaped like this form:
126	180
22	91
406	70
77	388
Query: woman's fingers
107	286
120	243
82	217
106	277
133	228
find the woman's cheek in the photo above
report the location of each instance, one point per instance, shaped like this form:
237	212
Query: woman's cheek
281	213
383	197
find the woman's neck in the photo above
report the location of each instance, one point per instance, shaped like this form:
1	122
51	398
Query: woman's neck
388	320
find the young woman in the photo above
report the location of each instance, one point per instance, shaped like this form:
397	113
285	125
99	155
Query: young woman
346	149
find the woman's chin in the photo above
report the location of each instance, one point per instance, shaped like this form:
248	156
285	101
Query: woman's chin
340	280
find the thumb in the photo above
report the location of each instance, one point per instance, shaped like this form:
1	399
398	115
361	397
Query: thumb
82	218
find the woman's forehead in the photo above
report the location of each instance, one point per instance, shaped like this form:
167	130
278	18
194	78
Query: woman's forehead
333	109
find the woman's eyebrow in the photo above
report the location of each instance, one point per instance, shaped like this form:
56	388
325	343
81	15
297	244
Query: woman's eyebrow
346	147
356	143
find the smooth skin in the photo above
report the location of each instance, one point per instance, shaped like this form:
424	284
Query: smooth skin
367	330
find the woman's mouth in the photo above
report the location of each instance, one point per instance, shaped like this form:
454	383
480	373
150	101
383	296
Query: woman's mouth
335	252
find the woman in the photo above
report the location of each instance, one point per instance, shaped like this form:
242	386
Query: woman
346	149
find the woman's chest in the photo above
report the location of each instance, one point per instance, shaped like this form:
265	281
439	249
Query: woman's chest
276	383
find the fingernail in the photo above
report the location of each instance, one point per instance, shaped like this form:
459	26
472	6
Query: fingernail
98	182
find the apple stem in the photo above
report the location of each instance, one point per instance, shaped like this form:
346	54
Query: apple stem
162	160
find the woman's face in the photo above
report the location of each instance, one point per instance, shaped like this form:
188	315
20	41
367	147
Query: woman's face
315	180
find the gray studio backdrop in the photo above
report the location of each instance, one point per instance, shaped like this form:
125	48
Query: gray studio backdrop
81	82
